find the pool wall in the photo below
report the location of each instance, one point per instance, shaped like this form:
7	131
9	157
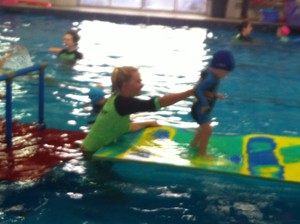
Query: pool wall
121	16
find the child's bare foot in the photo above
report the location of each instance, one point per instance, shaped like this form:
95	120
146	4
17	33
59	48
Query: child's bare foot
206	156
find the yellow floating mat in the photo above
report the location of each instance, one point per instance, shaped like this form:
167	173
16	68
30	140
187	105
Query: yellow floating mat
255	155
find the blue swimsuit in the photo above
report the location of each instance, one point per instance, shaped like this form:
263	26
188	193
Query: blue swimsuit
208	83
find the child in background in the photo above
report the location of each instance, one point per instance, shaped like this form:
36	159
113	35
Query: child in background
206	93
3	60
283	33
245	29
17	57
69	52
97	97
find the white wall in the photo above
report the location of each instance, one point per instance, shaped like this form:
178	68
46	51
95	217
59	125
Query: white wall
234	10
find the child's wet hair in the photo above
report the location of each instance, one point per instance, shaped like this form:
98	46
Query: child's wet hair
243	25
120	75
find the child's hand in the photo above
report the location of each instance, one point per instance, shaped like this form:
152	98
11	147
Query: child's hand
204	109
220	96
209	95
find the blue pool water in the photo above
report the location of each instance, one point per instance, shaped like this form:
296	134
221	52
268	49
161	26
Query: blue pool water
261	97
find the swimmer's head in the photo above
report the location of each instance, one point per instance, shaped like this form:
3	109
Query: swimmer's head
285	30
71	38
245	27
96	94
223	59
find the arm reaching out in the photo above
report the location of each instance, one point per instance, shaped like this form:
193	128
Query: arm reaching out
173	98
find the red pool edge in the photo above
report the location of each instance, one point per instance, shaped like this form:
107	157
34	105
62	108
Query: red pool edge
35	152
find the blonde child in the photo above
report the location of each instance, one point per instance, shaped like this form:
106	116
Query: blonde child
97	98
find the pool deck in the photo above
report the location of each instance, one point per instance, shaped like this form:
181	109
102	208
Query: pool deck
132	16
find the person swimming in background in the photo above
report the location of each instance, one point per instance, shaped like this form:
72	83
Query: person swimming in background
206	95
15	58
70	51
97	98
245	29
283	33
18	57
3	60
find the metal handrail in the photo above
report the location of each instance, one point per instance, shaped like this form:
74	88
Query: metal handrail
8	77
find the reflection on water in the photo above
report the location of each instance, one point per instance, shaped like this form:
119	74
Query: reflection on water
147	194
18	58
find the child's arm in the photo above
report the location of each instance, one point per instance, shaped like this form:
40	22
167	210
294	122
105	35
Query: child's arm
202	91
54	49
101	102
203	94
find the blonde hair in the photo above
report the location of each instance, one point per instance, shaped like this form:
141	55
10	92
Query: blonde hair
120	75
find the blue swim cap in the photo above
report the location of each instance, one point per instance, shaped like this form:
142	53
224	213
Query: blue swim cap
223	60
96	94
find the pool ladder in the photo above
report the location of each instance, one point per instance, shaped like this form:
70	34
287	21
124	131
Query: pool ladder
8	78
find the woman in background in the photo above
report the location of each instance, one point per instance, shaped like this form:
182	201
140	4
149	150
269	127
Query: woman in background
245	29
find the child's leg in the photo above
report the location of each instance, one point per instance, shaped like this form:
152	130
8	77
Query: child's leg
205	133
196	140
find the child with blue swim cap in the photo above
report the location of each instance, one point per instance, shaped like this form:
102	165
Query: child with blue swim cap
206	95
97	97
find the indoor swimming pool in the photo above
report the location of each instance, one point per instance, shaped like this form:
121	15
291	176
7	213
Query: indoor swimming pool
261	96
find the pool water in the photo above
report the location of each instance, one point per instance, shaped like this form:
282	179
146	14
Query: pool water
261	97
